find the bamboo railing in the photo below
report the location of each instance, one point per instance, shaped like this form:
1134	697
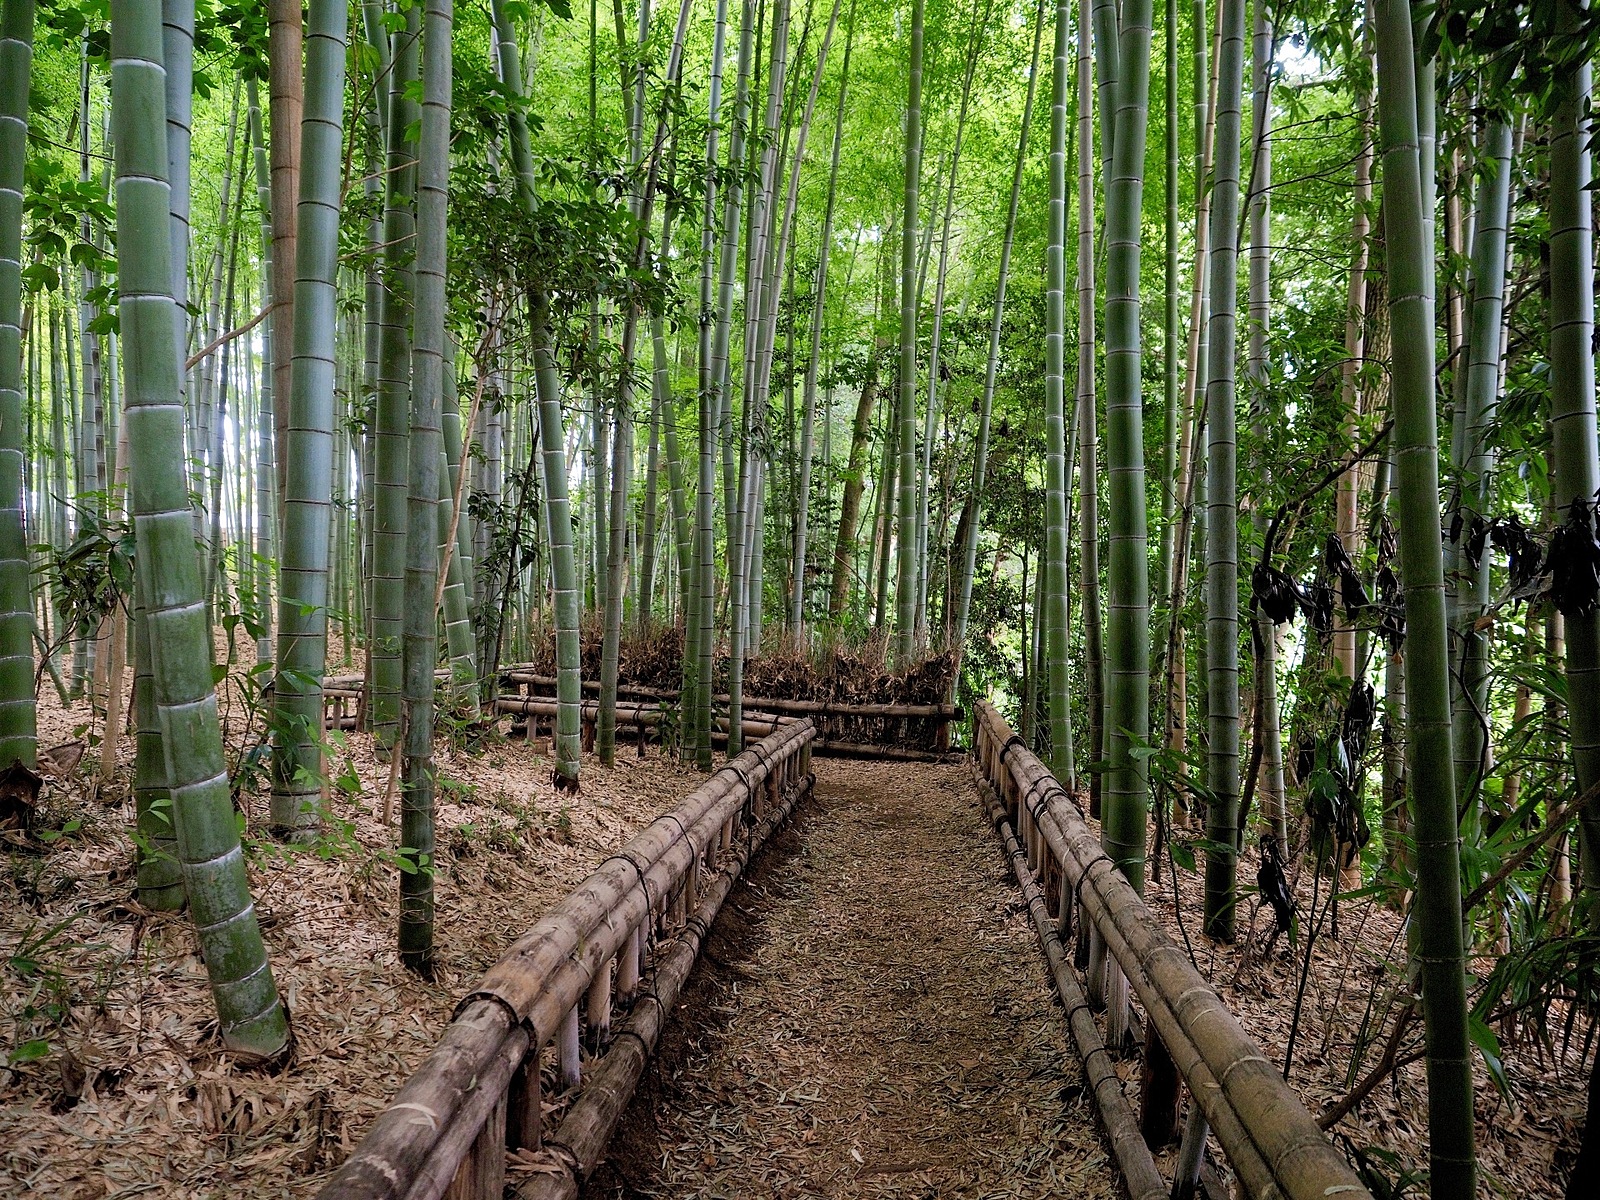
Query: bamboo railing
476	1098
1270	1139
917	732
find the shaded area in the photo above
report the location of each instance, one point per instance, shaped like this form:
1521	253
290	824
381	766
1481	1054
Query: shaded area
876	1022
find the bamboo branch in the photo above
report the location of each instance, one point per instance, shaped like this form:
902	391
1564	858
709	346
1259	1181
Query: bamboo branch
224	339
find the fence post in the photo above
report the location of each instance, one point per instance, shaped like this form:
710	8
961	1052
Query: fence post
524	1120
482	1173
599	1012
571	1067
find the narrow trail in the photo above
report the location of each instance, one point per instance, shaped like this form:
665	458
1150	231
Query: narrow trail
875	1022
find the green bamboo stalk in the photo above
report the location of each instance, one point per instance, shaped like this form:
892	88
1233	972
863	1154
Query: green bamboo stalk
18	711
682	540
1437	913
819	312
1572	421
298	772
1128	569
265	466
460	644
905	413
930	417
1474	458
177	38
1054	576
1270	783
454	445
698	603
563	567
1169	336
1088	440
253	1020
285	82
553	447
1222	505
622	446
60	494
392	430
980	452
1107	53
427	449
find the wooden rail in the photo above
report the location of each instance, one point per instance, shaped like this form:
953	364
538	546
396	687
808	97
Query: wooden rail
477	1096
1273	1143
530	699
843	729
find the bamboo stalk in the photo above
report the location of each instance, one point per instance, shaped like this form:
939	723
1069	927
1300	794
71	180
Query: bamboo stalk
1261	1123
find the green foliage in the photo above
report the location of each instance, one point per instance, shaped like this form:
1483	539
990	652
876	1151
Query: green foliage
92	576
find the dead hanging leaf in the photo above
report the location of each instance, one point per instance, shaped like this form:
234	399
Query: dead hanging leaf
1522	551
19	797
60	761
1573	563
1274	592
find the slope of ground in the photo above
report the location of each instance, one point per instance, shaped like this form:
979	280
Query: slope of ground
112	1081
877	1022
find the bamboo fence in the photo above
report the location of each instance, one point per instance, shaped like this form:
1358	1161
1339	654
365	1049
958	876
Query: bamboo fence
1270	1139
476	1098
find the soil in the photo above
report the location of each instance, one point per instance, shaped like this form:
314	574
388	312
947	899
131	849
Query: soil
870	1019
133	1095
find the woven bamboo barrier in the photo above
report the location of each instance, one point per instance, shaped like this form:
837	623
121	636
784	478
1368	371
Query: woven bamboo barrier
843	728
477	1095
1141	1179
647	718
580	1140
804	708
1270	1139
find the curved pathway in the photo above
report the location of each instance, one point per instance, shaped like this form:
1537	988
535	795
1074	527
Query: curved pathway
877	1023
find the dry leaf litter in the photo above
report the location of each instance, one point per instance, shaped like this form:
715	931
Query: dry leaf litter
875	1022
135	1096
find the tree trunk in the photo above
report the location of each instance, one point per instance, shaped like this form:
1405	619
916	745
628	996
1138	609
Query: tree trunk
252	1018
1441	953
18	712
298	771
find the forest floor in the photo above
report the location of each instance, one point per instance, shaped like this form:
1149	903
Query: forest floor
1342	1011
112	1080
874	1022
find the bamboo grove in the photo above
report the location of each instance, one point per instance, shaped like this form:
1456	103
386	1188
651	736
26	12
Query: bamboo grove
1215	380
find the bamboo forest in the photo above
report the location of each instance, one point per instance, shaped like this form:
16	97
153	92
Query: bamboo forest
785	599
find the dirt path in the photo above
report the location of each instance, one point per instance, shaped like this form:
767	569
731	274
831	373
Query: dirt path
877	1024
